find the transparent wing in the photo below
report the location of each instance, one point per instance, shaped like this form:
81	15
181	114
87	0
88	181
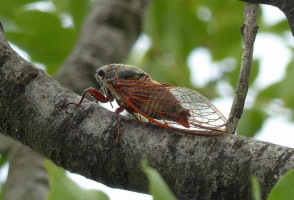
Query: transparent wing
204	116
172	107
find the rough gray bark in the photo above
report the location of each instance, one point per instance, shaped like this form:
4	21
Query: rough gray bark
248	31
286	6
82	141
27	178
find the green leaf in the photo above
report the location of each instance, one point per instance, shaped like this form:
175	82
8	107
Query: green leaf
78	10
224	38
269	93
3	160
9	8
286	89
282	90
278	28
158	188
1	193
255	188
254	71
250	122
283	189
175	29
48	44
61	187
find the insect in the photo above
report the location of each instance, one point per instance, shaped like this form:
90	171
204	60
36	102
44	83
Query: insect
166	105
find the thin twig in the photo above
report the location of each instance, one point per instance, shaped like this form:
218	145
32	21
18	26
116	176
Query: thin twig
248	31
287	7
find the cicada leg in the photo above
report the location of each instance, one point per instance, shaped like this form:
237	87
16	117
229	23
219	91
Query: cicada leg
138	119
94	93
117	111
132	112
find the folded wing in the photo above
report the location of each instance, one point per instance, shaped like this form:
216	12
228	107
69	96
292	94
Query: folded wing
172	107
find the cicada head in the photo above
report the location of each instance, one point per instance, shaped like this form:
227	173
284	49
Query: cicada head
105	75
110	74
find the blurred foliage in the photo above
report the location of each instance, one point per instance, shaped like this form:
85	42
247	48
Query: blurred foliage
61	187
283	189
47	34
3	160
157	187
178	27
255	188
282	89
252	124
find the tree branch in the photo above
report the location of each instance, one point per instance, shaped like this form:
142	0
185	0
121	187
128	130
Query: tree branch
286	6
248	31
82	141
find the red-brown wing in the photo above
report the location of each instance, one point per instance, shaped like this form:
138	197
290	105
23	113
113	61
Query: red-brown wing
172	107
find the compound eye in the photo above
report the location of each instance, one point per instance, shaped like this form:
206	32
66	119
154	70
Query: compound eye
100	72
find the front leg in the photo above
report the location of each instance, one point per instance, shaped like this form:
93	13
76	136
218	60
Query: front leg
96	94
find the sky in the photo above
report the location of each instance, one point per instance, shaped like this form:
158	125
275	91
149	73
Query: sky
268	75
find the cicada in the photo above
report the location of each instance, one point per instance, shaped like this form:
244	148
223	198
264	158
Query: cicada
166	105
